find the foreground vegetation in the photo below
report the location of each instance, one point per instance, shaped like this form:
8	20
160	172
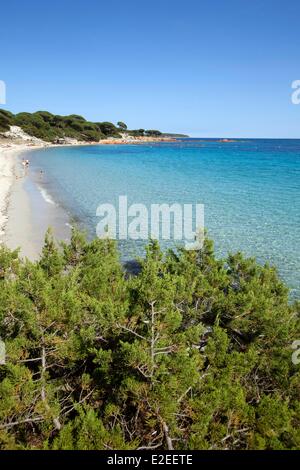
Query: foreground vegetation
50	127
192	353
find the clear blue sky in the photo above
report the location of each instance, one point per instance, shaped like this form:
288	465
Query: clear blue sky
204	67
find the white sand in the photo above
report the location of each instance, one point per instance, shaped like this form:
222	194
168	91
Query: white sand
10	170
24	217
8	160
16	141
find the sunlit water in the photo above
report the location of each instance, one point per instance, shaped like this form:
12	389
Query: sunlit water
250	190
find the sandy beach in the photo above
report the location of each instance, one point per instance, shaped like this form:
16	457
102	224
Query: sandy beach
24	214
8	161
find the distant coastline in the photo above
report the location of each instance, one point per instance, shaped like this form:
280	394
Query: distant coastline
70	129
26	131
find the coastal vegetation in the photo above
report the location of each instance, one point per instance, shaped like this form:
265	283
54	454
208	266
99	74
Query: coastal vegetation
122	125
193	352
51	127
6	120
144	133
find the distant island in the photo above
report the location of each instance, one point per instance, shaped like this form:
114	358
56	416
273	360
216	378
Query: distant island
72	129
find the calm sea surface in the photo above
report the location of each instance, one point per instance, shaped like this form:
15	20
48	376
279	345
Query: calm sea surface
250	189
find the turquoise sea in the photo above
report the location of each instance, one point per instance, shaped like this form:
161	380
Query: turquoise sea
250	189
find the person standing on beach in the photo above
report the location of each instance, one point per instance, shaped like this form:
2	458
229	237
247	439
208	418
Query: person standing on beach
25	164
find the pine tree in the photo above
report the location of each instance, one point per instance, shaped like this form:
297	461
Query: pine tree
194	352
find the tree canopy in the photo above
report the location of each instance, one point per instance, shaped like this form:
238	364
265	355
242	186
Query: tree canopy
194	352
50	127
122	125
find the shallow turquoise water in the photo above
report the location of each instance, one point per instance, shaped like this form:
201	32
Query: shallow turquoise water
250	190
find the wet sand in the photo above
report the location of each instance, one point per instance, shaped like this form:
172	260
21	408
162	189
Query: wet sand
29	213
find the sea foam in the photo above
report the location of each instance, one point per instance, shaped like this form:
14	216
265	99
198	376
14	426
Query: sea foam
46	196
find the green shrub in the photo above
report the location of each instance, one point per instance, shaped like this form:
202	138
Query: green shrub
47	117
192	353
108	129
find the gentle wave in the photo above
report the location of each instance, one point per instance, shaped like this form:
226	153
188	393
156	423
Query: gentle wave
46	196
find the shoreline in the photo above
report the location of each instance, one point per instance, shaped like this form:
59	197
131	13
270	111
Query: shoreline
9	155
25	214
